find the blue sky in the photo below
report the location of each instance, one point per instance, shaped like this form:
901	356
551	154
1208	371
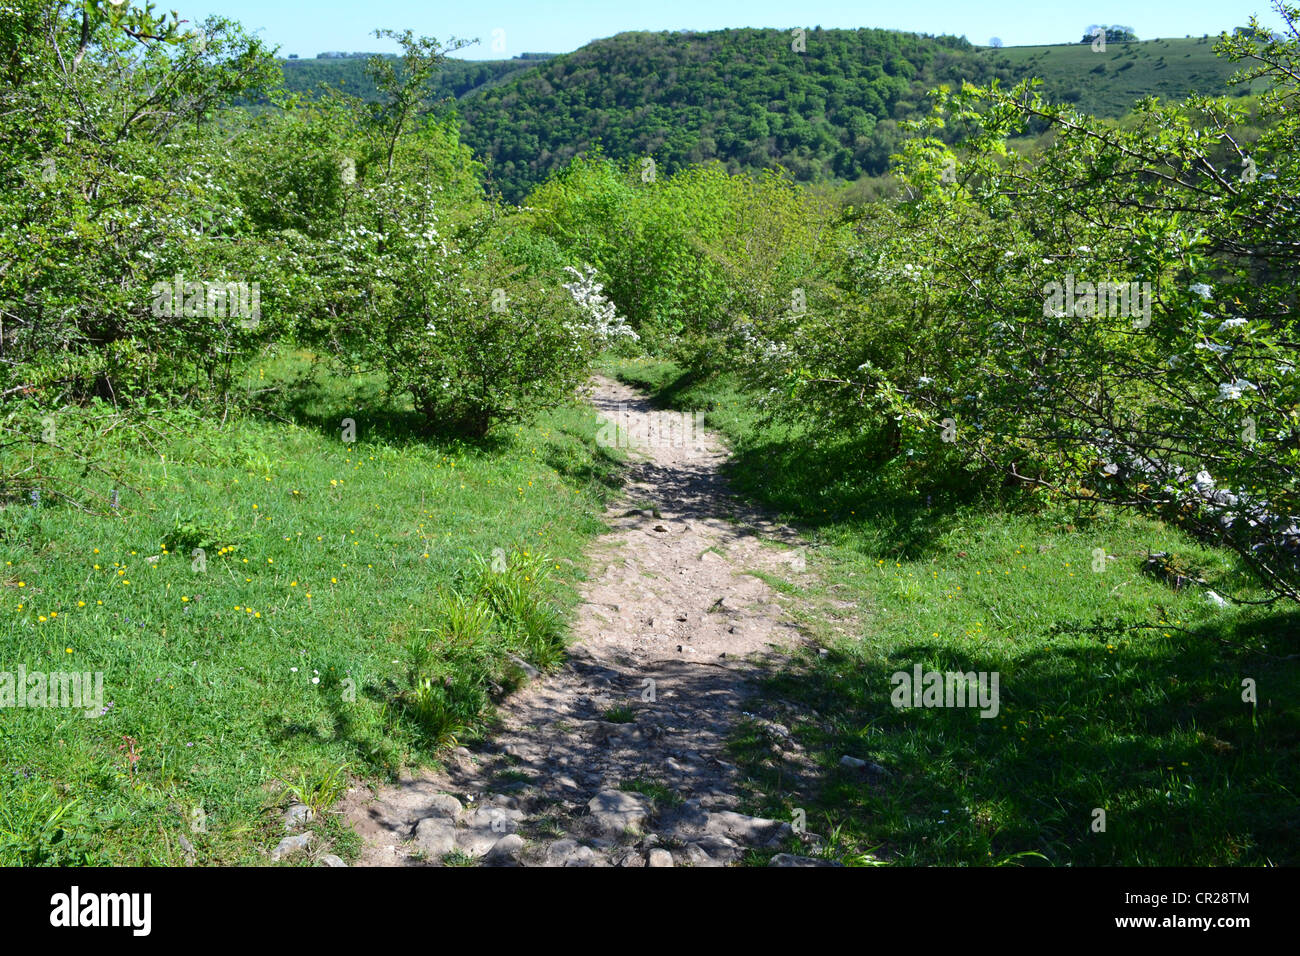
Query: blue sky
308	27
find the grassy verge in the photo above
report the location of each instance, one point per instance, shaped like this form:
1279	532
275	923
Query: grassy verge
273	608
1117	693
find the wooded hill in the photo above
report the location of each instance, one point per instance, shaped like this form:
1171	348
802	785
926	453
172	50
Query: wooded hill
746	98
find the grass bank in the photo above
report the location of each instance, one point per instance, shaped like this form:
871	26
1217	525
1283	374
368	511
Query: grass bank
1118	695
277	603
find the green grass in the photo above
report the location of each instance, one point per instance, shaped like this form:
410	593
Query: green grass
320	631
1116	692
661	796
619	715
1109	82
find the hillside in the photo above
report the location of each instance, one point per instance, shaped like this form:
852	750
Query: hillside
1107	84
744	97
456	78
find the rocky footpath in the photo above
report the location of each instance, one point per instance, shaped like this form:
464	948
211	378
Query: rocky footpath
619	758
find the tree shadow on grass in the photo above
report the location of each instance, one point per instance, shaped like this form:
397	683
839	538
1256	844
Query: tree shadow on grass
595	465
323	407
1155	733
816	485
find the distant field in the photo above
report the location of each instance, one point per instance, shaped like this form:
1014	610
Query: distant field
1109	83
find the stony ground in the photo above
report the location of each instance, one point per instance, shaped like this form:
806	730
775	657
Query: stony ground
618	758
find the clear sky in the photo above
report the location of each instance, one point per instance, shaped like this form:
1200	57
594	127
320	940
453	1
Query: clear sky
308	27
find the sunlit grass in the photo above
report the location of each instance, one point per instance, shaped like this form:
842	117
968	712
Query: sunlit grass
283	649
1117	693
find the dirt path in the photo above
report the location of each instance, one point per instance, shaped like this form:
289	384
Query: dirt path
618	758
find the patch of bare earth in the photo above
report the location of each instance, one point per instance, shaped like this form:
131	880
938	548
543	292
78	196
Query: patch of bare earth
618	758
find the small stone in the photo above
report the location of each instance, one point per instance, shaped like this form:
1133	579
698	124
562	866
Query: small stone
444	805
583	856
559	851
498	818
570	853
746	829
852	762
719	848
530	672
616	811
506	850
696	855
298	816
436	836
659	857
291	847
329	859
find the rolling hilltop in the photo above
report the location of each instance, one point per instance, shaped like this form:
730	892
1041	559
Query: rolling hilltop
456	78
745	98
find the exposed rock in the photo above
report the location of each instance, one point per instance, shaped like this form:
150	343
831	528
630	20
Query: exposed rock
436	836
444	805
696	855
570	853
866	766
753	831
291	846
484	827
505	851
559	851
329	859
298	816
530	672
720	848
613	812
659	857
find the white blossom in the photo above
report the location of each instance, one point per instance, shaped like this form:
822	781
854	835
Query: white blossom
603	317
1231	391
